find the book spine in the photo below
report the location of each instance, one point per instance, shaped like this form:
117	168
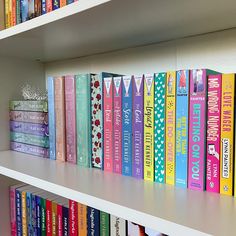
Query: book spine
29	128
38	8
29	149
197	129
59	220
54	218
73	218
138	128
24	10
24	213
29	139
117	123
48	217
83	117
6	14
31	9
44	7
29	210
170	127
13	12
159	126
48	5
127	126
33	215
39	106
43	217
62	3
70	96
38	216
65	214
93	220
82	219
69	2
149	127
59	93
18	213
51	119
97	121
13	211
29	117
10	13
182	103
227	134
118	226
55	4
108	123
104	224
18	13
213	133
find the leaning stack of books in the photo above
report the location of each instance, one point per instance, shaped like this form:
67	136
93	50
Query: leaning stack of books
29	127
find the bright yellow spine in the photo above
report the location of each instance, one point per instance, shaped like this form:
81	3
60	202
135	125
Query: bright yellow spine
149	127
24	214
227	134
170	127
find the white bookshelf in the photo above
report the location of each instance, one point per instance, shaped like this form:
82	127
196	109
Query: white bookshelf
121	36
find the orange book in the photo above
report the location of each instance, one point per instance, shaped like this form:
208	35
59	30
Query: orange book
59	92
62	3
82	219
54	218
13	17
2	14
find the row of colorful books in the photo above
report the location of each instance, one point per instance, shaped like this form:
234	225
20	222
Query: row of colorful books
37	212
13	12
175	127
29	127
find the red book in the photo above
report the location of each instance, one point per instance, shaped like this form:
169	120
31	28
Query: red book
49	217
59	220
13	12
49	5
73	218
108	123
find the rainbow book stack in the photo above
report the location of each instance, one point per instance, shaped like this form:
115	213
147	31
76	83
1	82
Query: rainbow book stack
29	127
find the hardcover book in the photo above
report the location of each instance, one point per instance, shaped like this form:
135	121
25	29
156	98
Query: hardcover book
108	123
83	116
29	117
197	128
24	214
54	218
138	128
227	134
159	126
51	119
24	11
97	122
65	214
18	12
70	100
104	224
13	13
118	226
59	220
41	106
55	4
9	12
38	7
62	3
48	5
31	9
117	113
82	219
44	7
149	127
181	152
213	133
127	125
59	91
73	218
170	127
93	219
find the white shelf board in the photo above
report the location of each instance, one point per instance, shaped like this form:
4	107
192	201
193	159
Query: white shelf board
161	207
89	27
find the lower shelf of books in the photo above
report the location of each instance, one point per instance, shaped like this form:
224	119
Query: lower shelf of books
160	207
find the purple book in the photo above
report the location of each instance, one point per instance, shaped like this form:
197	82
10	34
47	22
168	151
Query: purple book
29	128
138	127
29	149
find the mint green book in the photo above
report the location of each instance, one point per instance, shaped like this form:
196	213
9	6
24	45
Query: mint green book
83	120
104	224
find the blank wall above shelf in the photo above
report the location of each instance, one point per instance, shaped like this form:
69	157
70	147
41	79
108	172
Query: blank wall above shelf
97	26
161	207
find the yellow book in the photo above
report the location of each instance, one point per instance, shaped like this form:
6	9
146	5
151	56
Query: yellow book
54	218
170	127
24	214
82	219
149	127
9	13
227	134
6	13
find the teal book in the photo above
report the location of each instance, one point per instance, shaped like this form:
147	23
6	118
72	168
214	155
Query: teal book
83	120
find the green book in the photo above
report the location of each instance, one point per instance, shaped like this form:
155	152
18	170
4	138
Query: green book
83	120
104	224
43	217
41	106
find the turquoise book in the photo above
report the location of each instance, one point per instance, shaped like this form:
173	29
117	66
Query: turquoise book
182	103
83	120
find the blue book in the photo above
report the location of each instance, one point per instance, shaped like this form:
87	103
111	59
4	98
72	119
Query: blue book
93	221
34	214
55	4
18	213
51	119
65	223
69	1
28	205
24	10
38	215
127	125
44	7
182	103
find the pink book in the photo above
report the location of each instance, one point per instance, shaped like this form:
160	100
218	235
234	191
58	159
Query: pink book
108	123
70	119
59	90
117	112
213	133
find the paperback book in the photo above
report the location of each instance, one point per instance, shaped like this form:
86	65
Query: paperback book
29	117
